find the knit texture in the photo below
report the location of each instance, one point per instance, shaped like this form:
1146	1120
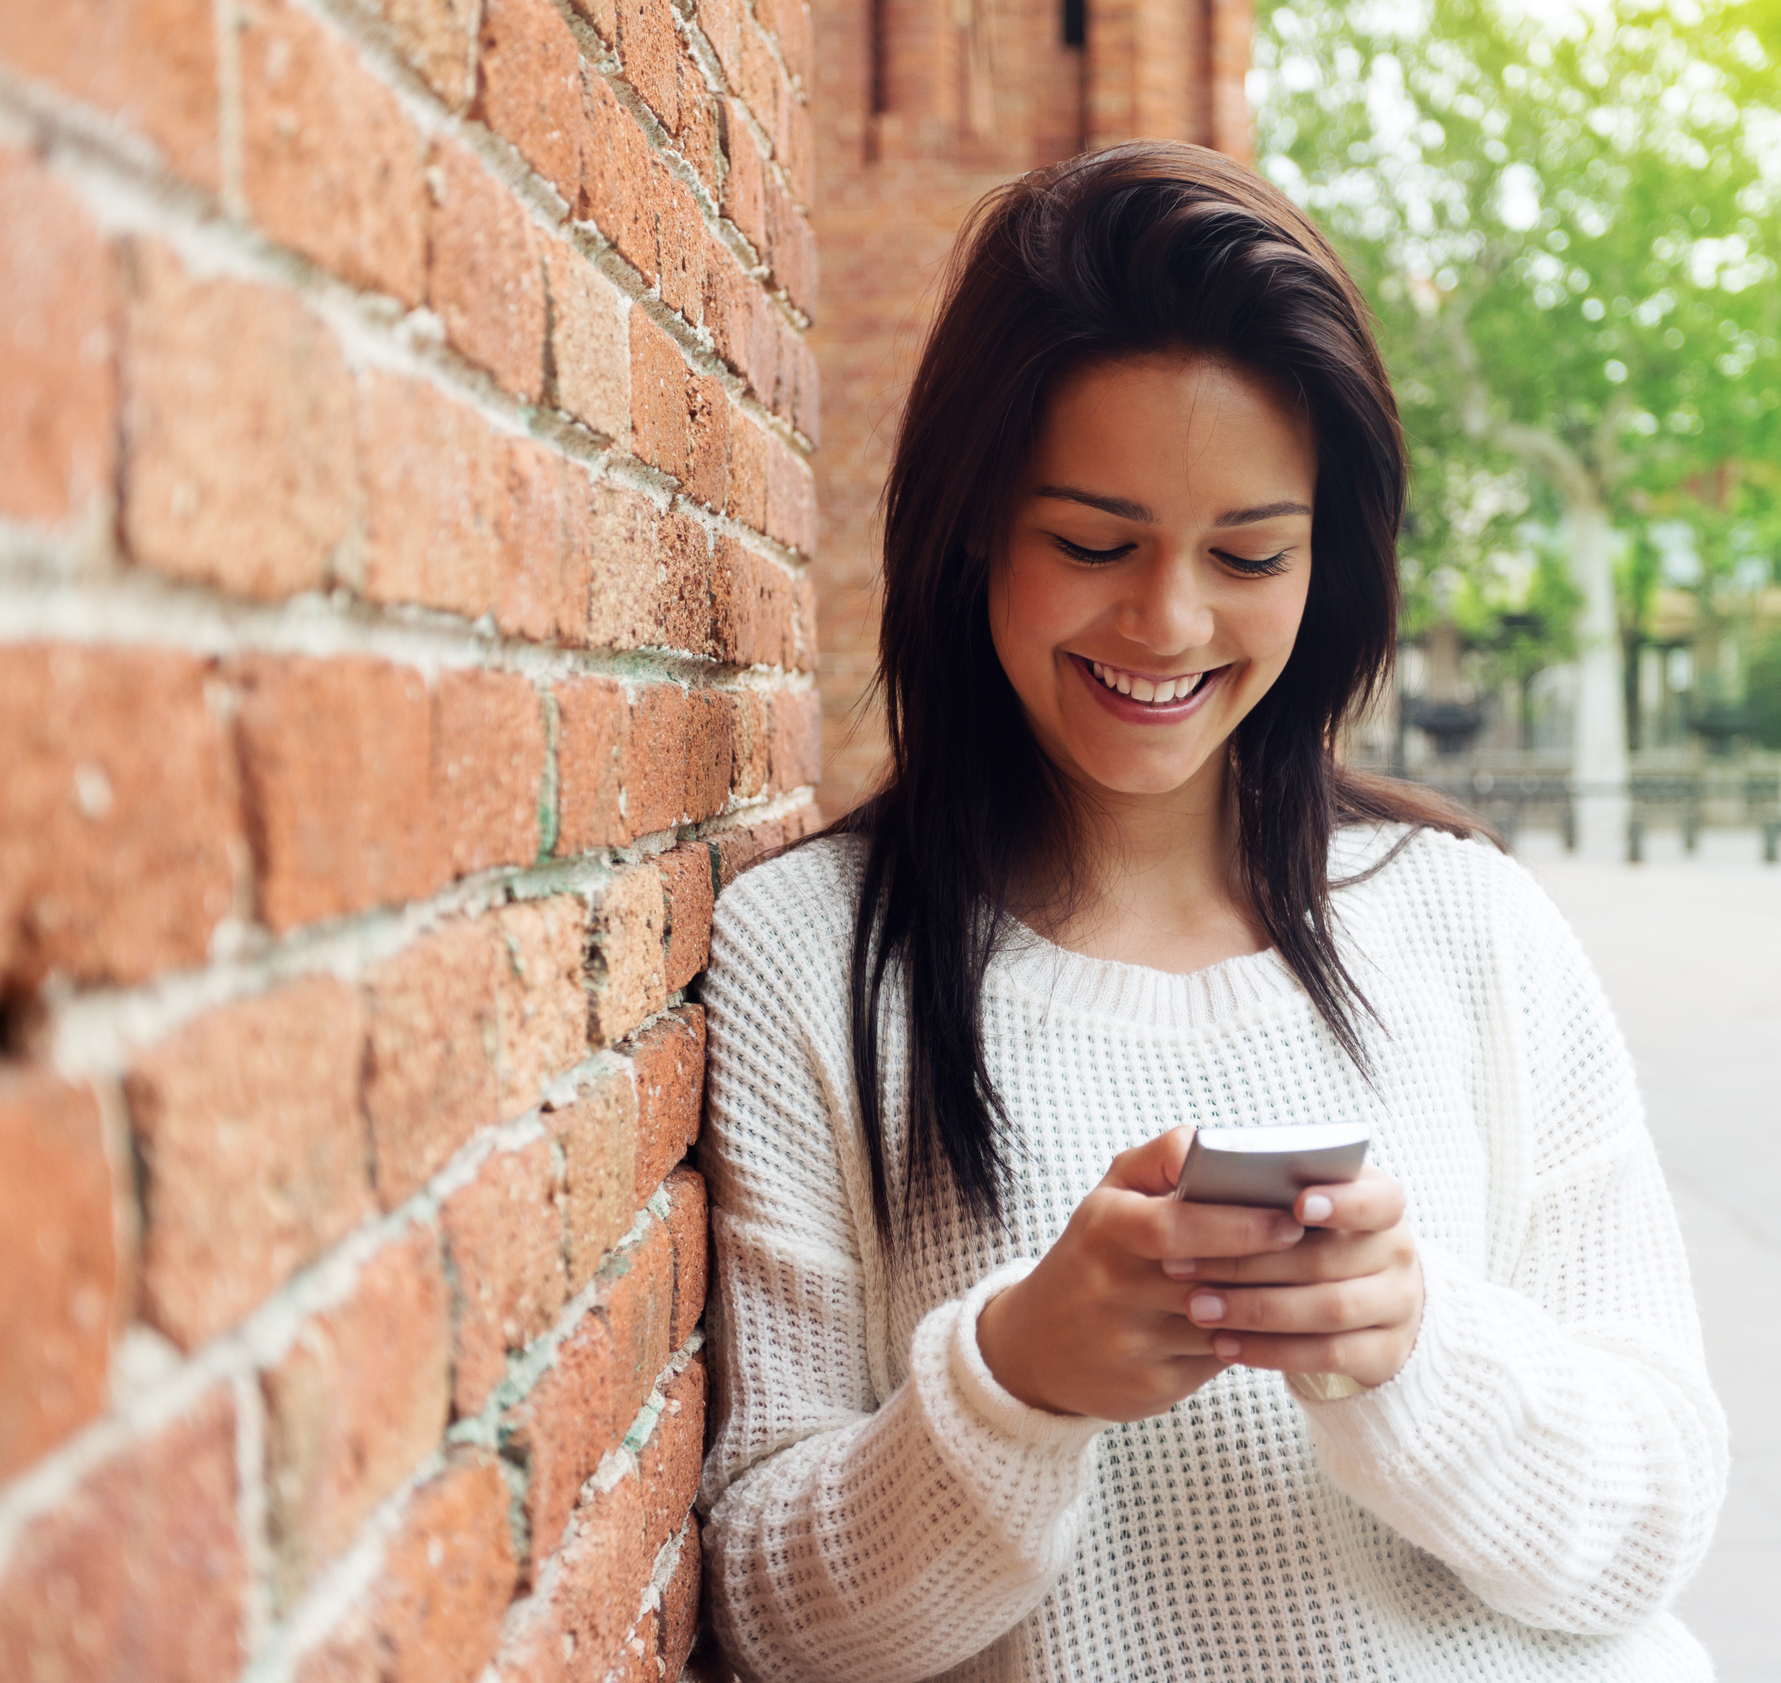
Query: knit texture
1520	1502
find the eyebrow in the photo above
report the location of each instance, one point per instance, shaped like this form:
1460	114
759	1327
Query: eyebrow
1124	508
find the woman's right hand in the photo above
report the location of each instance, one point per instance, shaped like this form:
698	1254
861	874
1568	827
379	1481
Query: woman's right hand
1098	1328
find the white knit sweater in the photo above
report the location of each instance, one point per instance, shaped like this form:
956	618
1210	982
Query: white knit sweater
1520	1502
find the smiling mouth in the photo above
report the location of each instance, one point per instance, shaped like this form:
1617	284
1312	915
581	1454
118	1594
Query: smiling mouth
1152	692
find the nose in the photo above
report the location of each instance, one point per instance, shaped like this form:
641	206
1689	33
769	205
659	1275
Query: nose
1168	608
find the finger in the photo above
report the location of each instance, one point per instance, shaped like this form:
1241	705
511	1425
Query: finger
1156	1227
1376	1300
1320	1255
1153	1167
1368	1205
1371	1356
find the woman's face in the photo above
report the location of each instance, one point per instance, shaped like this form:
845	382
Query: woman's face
1156	568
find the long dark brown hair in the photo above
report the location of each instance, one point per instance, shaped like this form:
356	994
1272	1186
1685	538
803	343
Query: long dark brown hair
1153	246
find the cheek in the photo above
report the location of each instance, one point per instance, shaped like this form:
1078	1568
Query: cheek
1032	609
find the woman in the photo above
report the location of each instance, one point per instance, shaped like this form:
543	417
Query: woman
989	1403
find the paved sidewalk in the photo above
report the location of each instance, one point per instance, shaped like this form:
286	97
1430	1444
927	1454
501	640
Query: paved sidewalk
1690	953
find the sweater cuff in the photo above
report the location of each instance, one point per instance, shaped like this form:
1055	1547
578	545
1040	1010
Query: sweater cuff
1376	1426
979	1389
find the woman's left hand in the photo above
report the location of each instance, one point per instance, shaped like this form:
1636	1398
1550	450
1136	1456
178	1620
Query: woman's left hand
1346	1299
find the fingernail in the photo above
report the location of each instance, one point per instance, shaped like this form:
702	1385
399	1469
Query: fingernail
1287	1231
1206	1306
1318	1207
1227	1347
1180	1267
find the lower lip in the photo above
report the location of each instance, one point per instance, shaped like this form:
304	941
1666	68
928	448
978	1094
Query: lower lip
1147	712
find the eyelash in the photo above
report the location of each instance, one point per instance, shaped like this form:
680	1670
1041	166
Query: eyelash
1264	567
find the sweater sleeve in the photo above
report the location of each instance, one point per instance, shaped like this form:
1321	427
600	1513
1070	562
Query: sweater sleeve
840	1526
1553	1437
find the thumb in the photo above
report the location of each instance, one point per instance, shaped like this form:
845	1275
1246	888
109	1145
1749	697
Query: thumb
1152	1168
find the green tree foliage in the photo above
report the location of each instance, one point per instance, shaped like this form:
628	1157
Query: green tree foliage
1568	219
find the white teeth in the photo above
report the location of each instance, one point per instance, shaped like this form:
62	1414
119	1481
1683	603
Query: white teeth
1165	691
1123	683
1146	689
1143	690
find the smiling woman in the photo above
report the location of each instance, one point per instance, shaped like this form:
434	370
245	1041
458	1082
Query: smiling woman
991	1403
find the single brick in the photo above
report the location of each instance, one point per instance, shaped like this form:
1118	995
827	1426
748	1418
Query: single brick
800	385
747	496
680	1605
541	1006
432	1054
438	37
114	864
690	1227
617	179
791	250
680	232
592	715
707	477
359	1398
238	440
434	1613
686	870
529	88
59	1267
760	84
330	165
652	759
141	1572
791	499
750	738
671	1460
721	22
804	623
504	1239
753	604
598	1136
668	1072
150	62
253	1152
543	581
795	752
335	756
738	849
637	1299
484	275
660	422
744	195
710	752
59	299
649	50
625	584
697	140
590	364
488	760
683	597
435	497
559	1433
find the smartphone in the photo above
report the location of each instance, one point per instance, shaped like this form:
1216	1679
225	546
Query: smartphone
1270	1166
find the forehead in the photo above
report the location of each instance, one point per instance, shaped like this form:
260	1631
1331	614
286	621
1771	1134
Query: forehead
1169	430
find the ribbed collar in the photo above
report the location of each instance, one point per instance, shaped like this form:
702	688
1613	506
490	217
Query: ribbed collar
1104	989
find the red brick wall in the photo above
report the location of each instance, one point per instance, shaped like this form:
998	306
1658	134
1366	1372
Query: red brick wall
405	623
924	106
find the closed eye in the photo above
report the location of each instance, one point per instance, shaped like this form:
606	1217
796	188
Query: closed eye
1076	552
1264	566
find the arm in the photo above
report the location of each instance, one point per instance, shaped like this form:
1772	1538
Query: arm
1553	1437
838	1524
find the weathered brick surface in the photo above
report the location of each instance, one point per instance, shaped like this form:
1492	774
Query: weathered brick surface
504	1243
485	275
357	1401
597	1134
59	1268
488	764
330	165
253	1151
140	1572
626	978
59	300
152	63
795	751
395	380
113	863
434	1613
335	759
238	468
431	1059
